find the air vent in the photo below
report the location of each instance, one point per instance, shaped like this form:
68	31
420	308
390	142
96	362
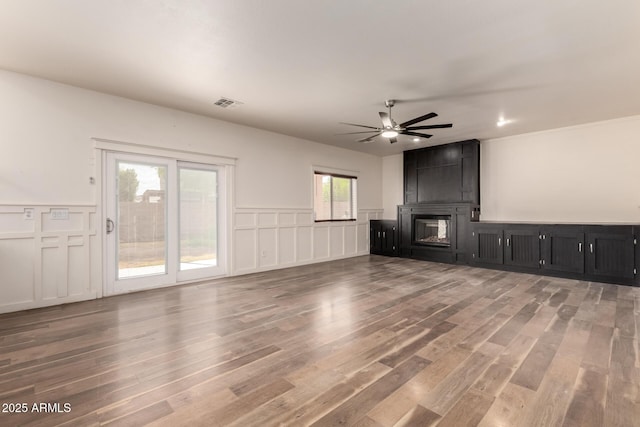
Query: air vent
227	103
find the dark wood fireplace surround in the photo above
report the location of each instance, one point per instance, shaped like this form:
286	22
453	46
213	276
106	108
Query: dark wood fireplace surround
440	181
445	181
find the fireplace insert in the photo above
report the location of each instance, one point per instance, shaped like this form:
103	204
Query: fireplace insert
432	230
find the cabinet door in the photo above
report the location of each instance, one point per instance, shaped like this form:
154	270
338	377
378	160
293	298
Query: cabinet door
563	250
375	237
522	247
488	246
389	239
610	254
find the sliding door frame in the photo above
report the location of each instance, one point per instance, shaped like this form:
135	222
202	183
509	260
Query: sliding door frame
226	168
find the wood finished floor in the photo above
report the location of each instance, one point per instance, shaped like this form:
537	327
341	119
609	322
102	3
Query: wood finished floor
367	341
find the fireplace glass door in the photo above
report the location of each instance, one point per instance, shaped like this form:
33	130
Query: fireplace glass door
432	230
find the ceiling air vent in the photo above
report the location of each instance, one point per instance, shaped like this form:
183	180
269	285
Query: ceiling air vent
227	103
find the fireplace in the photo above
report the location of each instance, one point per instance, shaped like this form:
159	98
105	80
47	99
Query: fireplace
435	232
432	230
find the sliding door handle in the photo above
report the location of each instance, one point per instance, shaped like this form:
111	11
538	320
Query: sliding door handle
580	247
110	226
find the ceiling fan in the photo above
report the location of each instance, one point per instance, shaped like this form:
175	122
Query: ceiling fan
390	129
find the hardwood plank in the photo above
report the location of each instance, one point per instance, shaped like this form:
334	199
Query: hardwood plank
574	343
445	395
391	409
623	389
418	416
550	403
587	405
605	314
509	407
370	341
469	410
393	359
367	422
534	367
610	293
303	405
482	333
194	408
142	416
625	319
558	298
599	349
510	329
241	407
494	379
539	322
357	406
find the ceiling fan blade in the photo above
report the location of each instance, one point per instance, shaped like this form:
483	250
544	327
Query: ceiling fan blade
353	133
362	126
392	140
367	139
417	120
448	125
421	135
386	120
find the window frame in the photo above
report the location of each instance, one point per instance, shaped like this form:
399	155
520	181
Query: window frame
332	175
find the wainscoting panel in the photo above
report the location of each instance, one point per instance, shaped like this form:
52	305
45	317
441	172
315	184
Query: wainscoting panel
17	263
268	242
336	241
363	238
286	245
266	239
48	256
350	240
245	249
321	242
304	244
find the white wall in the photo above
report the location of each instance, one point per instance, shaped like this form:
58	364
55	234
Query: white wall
48	157
392	185
585	174
581	174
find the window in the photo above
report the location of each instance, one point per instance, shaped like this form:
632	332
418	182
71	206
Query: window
334	197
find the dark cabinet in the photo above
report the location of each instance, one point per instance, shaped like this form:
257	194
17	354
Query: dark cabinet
383	237
563	249
522	247
600	253
488	245
610	252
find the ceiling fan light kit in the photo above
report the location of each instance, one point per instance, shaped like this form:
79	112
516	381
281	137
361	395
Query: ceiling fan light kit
390	129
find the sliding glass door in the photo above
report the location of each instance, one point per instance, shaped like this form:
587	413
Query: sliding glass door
199	219
163	221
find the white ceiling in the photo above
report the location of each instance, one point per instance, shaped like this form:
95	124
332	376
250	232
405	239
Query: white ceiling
300	67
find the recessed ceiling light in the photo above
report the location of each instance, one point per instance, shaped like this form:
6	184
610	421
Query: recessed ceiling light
416	139
502	121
